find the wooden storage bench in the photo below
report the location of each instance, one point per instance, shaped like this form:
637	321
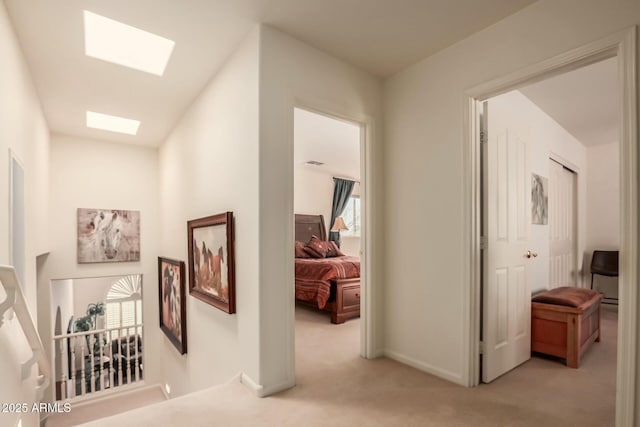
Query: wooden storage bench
565	322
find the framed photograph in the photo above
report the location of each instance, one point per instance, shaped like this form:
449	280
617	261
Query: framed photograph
539	199
173	304
108	235
211	264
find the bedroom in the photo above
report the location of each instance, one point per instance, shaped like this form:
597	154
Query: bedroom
327	209
563	131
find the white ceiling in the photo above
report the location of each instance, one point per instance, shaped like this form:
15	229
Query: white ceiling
381	36
334	142
583	101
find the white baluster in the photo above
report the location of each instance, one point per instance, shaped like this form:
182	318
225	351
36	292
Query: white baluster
136	365
72	344
113	357
128	356
120	357
83	386
92	362
101	358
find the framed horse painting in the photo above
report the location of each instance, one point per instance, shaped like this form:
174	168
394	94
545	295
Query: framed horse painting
211	261
108	235
173	304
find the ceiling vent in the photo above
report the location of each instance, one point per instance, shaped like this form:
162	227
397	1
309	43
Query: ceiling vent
314	163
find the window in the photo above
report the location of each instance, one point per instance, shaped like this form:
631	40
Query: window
121	314
124	307
351	217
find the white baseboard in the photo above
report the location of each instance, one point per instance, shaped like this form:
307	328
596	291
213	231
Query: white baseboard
268	391
251	384
425	367
262	391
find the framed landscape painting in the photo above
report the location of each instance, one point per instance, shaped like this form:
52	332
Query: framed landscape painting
173	304
108	235
211	260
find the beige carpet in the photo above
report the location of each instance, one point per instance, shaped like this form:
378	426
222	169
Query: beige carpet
338	388
91	410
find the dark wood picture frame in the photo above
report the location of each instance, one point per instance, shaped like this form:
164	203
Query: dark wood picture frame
167	284
211	261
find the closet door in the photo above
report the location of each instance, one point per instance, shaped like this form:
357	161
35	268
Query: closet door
562	226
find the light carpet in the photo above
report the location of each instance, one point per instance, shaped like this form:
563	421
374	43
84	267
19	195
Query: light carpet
92	409
335	387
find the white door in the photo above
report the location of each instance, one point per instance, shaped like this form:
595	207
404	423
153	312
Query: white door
562	226
507	198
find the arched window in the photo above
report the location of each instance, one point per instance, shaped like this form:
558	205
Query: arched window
124	307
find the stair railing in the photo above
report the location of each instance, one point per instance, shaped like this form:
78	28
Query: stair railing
15	300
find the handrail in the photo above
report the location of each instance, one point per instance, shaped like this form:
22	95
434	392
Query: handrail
11	284
96	331
79	334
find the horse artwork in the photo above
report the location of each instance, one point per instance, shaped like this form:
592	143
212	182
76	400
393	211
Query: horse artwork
106	235
172	306
211	260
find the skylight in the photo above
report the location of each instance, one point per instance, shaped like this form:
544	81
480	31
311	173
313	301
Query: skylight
112	123
125	45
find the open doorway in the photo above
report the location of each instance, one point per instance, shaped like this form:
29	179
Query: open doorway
328	217
621	47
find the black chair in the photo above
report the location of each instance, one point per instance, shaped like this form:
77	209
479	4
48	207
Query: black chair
604	263
125	358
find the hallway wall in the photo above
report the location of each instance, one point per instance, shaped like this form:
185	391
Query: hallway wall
23	130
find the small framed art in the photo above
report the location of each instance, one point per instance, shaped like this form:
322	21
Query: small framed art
173	304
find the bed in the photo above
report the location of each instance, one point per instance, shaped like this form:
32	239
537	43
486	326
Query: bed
331	284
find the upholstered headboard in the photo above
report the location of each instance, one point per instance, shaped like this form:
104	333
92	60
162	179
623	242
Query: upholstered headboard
309	225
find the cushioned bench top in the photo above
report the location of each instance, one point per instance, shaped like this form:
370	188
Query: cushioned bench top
566	296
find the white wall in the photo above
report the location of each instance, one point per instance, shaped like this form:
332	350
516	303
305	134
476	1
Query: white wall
603	207
547	139
24	131
424	177
313	192
293	73
91	291
94	174
209	165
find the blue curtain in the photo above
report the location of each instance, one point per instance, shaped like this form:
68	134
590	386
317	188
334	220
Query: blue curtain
342	189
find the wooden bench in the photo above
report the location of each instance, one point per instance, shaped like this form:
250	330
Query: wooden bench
565	322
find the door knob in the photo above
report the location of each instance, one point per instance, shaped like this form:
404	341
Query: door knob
531	254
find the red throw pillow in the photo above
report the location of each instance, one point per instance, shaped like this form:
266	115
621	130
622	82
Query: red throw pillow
334	250
299	250
317	248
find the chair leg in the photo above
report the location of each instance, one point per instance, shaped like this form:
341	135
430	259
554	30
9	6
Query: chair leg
591	281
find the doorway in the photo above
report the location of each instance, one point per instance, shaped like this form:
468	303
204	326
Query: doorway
329	210
530	208
622	47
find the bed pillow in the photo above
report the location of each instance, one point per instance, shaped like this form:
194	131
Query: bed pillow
334	250
317	248
299	250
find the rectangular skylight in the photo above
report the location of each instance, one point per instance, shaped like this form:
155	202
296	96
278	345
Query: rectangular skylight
112	123
125	45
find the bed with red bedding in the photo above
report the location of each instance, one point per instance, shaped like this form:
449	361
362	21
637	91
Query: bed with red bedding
328	283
